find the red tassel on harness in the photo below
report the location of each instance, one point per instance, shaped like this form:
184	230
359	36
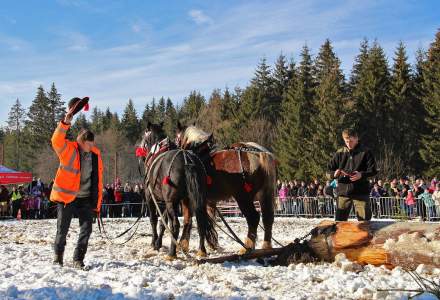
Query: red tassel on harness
140	151
166	180
208	180
247	187
86	107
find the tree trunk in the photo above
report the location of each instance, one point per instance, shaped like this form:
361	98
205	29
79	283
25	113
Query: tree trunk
391	244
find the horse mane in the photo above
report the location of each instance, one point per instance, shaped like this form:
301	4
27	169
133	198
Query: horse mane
195	135
257	146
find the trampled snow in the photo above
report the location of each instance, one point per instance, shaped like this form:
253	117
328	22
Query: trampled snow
135	271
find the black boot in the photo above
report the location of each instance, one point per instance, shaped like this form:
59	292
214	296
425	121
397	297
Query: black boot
58	259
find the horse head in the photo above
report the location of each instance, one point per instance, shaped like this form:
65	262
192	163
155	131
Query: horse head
152	135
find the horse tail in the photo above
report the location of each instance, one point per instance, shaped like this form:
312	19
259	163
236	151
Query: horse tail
268	164
196	190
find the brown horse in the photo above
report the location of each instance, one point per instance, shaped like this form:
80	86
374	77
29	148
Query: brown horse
244	171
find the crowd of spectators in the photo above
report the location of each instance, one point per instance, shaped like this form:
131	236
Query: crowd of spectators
413	196
32	201
26	202
122	200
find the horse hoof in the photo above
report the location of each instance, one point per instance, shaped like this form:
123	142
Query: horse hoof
201	253
170	257
184	246
250	245
266	245
244	251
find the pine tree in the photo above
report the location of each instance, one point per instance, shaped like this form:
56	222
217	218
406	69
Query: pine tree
230	105
371	96
161	108
431	99
192	105
170	119
130	123
281	76
294	132
57	109
359	64
263	90
16	120
107	119
329	101
403	112
39	123
97	121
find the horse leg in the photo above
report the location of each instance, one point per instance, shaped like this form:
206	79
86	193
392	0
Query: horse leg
247	207
267	213
158	244
187	225
175	226
153	221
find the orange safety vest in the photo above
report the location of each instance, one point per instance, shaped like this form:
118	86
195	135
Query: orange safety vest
67	180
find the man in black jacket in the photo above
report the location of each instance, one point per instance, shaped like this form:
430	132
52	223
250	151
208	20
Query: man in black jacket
352	165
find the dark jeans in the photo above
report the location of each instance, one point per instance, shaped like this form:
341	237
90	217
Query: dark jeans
80	207
16	205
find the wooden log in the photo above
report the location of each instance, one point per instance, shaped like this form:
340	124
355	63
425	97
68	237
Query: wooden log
405	244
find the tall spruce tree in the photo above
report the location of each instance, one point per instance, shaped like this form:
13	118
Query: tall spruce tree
403	112
107	119
16	119
263	90
431	98
97	121
130	123
371	100
281	76
330	108
39	122
170	119
192	105
295	132
57	109
161	109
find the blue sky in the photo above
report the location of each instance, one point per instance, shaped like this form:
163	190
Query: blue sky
116	50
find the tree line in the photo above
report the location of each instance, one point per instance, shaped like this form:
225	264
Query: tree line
295	109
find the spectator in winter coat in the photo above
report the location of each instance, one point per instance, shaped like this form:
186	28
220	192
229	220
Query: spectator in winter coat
426	199
436	198
352	165
410	202
282	196
4	201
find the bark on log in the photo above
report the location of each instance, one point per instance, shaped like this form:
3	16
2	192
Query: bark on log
391	244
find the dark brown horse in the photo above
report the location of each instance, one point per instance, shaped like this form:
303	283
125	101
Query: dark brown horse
244	171
176	176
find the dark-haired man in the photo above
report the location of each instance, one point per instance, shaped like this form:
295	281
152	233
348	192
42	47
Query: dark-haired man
351	166
77	188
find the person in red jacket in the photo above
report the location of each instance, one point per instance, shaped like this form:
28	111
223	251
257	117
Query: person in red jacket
77	188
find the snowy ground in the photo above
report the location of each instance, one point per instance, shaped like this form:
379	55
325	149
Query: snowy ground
134	271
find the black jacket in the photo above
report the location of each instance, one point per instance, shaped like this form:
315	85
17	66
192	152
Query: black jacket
358	159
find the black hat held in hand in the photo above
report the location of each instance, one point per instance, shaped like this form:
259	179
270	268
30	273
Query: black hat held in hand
78	104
